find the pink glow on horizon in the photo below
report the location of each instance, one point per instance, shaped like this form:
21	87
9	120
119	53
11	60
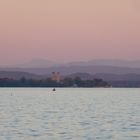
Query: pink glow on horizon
72	30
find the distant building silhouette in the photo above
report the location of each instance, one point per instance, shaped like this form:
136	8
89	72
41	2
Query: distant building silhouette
55	76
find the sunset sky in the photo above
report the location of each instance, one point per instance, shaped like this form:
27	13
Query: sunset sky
69	30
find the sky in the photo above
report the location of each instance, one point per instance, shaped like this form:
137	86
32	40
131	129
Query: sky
69	30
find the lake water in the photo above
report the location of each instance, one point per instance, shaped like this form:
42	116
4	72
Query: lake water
69	113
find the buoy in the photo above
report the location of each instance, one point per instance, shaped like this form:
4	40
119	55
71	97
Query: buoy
54	89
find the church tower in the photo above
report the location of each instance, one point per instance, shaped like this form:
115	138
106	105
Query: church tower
55	76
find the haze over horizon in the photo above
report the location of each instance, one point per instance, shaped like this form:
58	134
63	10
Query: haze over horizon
64	31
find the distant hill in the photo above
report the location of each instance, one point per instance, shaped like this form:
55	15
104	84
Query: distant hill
116	80
83	76
18	75
107	62
44	63
106	69
66	70
119	77
107	77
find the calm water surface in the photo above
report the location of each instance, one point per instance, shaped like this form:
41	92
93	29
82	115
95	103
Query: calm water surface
77	114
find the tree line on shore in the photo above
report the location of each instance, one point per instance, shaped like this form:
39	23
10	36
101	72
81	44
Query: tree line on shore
65	82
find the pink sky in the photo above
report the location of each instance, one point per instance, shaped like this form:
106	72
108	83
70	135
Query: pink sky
69	30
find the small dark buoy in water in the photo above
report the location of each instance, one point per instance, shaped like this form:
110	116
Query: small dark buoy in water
54	89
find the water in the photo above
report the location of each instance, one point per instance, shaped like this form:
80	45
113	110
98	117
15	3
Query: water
77	114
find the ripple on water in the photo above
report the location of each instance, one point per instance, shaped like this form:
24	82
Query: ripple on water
81	114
